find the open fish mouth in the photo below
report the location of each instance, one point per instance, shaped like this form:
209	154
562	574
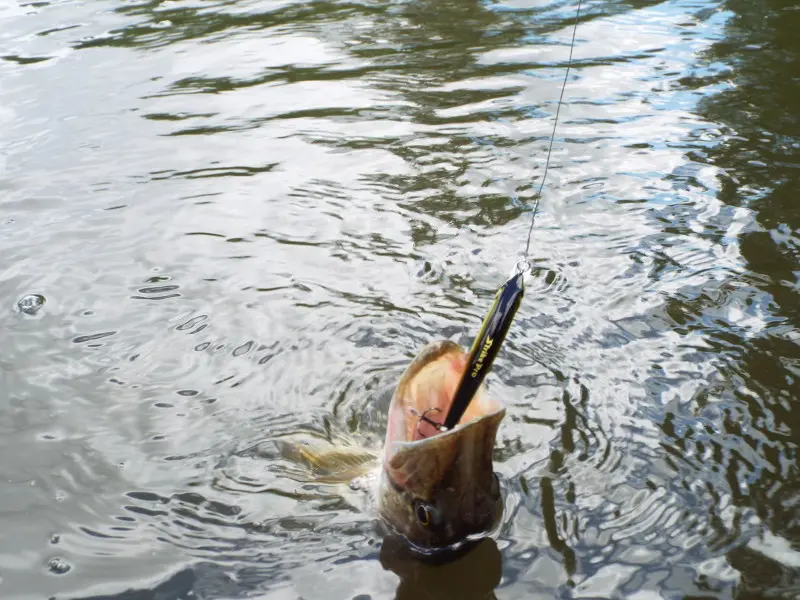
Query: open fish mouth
425	393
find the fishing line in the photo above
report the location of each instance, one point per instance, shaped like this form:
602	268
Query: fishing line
507	299
553	135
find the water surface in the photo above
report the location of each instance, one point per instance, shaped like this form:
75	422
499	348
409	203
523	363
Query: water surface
246	217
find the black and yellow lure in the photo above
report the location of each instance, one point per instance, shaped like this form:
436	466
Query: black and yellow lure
486	345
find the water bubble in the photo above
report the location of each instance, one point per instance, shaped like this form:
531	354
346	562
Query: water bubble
58	566
31	304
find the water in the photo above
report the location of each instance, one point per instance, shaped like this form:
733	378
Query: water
244	219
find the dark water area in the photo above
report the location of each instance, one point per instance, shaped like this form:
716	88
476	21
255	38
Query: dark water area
245	218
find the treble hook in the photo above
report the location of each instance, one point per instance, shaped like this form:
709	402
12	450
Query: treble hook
424	418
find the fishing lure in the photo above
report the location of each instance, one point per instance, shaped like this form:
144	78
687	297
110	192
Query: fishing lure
486	345
484	350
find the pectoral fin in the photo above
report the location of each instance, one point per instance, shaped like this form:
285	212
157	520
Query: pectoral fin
329	463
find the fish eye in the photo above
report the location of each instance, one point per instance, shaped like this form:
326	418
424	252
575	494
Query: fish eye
423	513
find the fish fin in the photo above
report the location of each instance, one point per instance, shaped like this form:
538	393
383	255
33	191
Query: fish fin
329	463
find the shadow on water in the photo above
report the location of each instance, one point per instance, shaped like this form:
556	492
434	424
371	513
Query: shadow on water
473	575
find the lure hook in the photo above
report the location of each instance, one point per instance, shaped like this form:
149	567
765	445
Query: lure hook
424	418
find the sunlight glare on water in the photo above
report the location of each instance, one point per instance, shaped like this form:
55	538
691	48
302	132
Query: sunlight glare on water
224	224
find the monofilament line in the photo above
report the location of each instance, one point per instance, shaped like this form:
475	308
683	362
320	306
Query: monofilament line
553	136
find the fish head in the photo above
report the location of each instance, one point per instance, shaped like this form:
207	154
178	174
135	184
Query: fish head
438	488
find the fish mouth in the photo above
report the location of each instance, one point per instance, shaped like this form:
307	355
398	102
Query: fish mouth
425	394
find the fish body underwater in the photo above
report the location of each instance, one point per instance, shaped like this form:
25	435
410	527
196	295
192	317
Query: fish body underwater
436	490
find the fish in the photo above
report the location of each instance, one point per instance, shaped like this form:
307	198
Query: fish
434	489
438	489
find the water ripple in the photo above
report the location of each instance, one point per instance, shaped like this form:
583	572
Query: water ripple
247	217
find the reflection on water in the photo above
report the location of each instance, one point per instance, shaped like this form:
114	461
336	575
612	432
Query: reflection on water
233	222
472	575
